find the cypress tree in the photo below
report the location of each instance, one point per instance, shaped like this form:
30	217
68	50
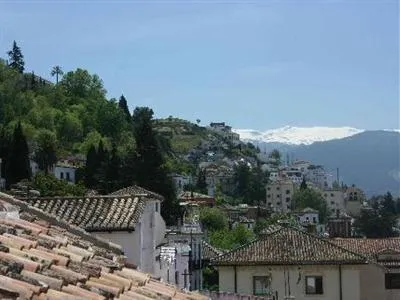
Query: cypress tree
91	167
123	105
16	59
113	169
201	184
150	165
18	164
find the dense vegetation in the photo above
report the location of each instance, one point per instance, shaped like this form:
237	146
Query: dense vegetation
44	122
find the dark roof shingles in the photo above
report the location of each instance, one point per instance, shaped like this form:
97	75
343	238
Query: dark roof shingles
289	246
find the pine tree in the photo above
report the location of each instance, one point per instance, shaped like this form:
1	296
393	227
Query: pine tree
123	105
16	59
18	164
150	165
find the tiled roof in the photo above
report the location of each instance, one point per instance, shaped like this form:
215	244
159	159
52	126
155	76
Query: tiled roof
209	252
120	210
137	190
289	246
94	213
189	196
42	259
372	248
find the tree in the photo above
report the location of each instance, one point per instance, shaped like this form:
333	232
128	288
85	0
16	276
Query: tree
45	155
113	169
123	105
57	71
201	184
18	165
198	121
276	156
303	185
242	179
151	172
91	167
213	219
313	199
229	239
16	59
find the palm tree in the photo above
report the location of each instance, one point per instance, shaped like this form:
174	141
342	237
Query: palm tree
57	71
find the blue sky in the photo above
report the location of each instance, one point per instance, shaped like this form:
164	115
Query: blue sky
258	64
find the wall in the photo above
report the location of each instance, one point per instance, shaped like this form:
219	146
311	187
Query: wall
372	284
64	170
280	195
140	245
334	200
350	280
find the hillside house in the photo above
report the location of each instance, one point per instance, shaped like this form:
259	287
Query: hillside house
335	201
318	176
339	225
196	198
292	264
129	217
226	131
180	181
355	200
279	195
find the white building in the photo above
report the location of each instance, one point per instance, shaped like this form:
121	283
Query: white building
335	201
180	181
279	195
307	216
129	217
291	264
66	173
318	176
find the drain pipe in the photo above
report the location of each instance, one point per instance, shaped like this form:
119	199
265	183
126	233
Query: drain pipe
340	283
235	279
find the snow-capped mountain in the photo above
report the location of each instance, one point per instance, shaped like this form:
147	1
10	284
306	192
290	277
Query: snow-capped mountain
297	135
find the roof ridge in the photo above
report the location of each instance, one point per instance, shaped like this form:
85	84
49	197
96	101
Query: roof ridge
289	227
61	223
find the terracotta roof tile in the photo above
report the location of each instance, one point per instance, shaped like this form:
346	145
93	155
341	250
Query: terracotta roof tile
58	264
289	246
208	251
373	248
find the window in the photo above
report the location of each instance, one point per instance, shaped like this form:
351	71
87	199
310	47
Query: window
156	206
261	285
287	199
392	281
332	195
62	175
176	277
67	176
277	188
314	219
287	192
314	285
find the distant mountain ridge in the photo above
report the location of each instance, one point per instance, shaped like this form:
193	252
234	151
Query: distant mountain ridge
369	159
291	135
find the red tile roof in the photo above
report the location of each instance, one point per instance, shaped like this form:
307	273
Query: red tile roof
289	246
373	248
120	210
45	258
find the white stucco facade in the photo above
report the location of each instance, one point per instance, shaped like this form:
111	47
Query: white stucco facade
346	282
140	245
65	173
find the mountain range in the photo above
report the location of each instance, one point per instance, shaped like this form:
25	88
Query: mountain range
369	159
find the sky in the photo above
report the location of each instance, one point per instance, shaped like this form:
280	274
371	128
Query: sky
253	64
